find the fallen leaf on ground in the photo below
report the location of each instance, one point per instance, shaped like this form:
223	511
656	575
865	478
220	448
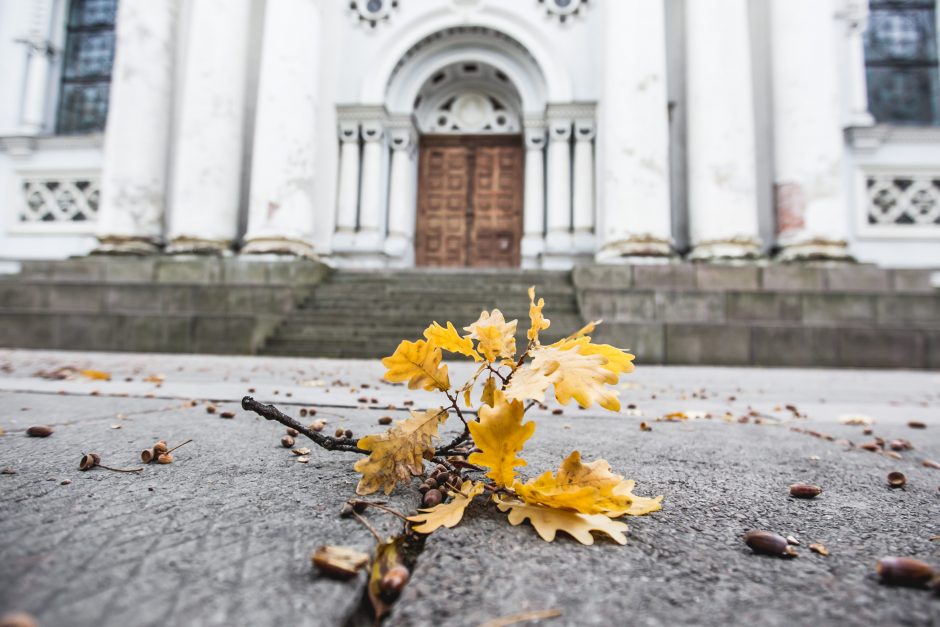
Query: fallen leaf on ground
818	548
447	514
587	488
856	419
387	560
96	375
300	451
155	378
548	522
521	617
339	561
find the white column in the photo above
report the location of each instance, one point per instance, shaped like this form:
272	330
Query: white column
856	18
40	53
558	230
347	192
370	236
403	187
533	215
722	174
281	207
633	143
808	147
136	143
208	161
583	185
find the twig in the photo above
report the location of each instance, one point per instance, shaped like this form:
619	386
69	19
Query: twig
519	363
529	406
384	508
270	412
505	380
368	526
456	442
177	446
119	469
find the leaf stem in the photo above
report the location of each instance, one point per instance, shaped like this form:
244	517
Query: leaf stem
368	526
119	469
384	508
178	445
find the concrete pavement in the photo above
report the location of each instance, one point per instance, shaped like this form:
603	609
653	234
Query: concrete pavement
223	535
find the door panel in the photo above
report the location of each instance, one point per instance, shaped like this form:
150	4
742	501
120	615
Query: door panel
444	188
469	202
497	207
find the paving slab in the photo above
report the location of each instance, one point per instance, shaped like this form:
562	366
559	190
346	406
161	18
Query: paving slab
223	535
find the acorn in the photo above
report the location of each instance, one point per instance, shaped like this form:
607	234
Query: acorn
165	458
903	571
917	424
148	455
89	461
900	445
805	490
432	498
339	433
385	420
896	479
287	441
769	543
360	506
39	431
160	447
18	619
348	433
393	582
316	425
292	432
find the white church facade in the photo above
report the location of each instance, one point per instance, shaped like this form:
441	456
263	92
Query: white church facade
500	133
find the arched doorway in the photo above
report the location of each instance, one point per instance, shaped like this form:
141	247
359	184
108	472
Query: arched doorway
471	169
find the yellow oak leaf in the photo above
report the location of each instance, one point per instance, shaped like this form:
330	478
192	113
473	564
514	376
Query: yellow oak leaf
499	435
447	514
539	322
573	375
399	453
418	363
488	391
451	341
588	328
548	522
588	488
639	505
495	337
619	361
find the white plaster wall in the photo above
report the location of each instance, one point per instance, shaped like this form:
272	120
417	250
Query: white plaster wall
903	250
19	242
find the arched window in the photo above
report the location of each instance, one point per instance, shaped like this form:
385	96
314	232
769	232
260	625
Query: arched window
86	67
901	62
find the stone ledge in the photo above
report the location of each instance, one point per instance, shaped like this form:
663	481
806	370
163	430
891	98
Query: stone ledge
768	277
178	270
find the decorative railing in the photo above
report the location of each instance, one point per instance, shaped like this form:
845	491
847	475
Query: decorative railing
56	201
905	204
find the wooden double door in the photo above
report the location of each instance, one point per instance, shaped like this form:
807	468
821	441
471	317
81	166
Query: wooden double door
469	201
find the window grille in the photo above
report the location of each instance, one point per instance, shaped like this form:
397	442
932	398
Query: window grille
86	68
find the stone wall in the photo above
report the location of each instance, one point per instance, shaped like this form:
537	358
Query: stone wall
159	304
771	315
